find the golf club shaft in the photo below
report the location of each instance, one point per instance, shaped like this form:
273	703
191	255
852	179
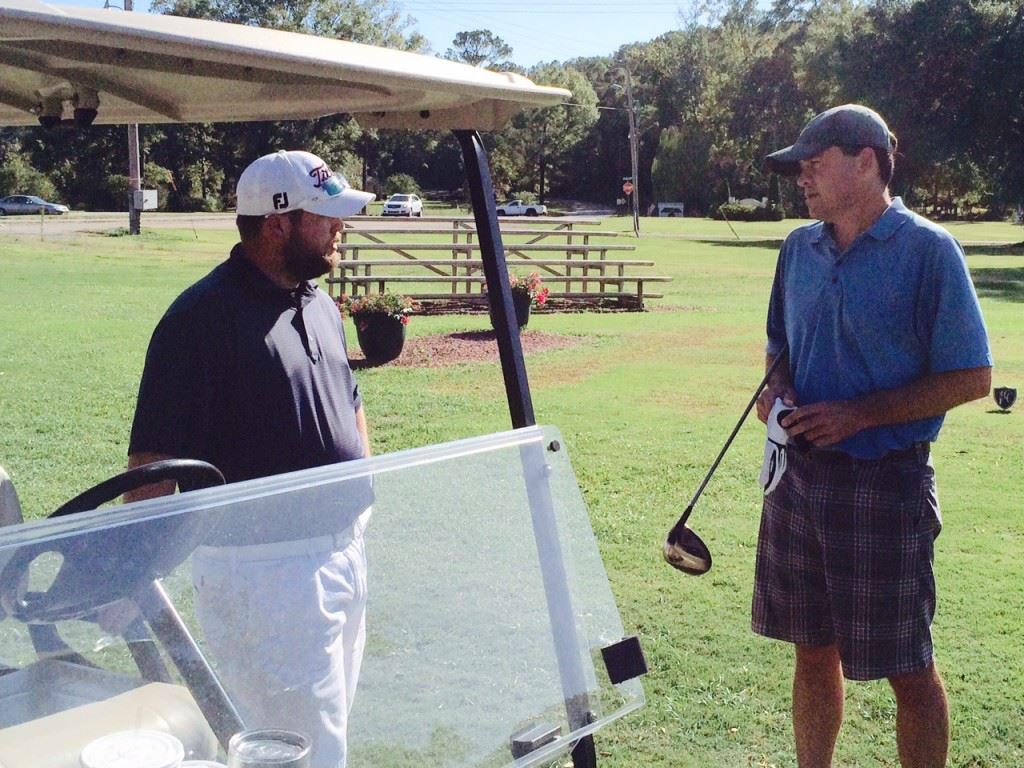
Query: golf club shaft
736	429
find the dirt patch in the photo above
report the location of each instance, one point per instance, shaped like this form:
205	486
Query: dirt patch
464	347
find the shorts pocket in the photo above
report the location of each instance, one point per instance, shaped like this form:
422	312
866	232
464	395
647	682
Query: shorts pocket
919	500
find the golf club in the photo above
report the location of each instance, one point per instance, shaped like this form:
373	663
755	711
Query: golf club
683	548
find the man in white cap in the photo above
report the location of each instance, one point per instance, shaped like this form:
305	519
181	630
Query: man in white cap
248	370
883	332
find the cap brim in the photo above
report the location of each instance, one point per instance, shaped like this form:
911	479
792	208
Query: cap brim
348	203
786	162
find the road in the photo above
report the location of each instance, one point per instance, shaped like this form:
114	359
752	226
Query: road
88	221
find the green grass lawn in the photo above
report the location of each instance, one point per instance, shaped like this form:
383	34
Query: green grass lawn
644	402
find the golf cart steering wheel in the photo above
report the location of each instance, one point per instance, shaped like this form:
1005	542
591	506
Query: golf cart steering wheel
103	565
189	474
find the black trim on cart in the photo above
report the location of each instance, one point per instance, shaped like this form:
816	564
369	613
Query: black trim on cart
492	252
517	391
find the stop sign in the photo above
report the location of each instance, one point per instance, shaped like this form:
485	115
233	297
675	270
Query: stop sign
627	187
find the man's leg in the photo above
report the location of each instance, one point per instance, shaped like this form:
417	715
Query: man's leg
922	719
817	704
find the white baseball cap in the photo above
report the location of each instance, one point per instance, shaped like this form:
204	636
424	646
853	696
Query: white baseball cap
282	182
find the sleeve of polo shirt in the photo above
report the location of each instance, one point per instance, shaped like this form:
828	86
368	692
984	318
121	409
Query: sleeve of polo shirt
776	326
173	414
357	400
949	315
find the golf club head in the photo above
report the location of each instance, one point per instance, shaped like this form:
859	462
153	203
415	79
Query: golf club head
685	551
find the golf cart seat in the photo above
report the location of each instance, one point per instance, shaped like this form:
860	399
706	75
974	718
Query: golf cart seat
62	699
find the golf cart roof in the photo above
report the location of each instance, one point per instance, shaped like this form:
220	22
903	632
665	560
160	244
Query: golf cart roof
147	68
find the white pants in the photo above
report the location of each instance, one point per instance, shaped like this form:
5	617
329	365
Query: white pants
285	627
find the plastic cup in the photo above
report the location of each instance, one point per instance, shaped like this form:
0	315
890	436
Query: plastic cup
140	748
268	748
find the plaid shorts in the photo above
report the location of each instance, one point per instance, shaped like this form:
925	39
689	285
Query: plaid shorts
845	557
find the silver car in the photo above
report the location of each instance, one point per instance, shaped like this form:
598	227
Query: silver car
29	204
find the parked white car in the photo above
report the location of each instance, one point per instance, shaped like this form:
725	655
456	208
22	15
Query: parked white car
29	204
519	208
403	205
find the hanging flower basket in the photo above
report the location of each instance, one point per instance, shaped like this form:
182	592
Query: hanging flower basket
526	291
381	336
522	302
380	320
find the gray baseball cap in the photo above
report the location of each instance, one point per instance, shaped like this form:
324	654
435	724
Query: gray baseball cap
850	125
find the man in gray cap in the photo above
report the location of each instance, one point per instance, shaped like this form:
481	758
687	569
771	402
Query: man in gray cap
248	370
874	307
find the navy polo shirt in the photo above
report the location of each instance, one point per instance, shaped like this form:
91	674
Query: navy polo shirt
249	377
896	305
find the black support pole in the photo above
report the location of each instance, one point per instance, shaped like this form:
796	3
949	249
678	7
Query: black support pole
499	294
517	390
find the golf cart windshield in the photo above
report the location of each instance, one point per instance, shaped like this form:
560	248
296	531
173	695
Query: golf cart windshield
489	610
493	638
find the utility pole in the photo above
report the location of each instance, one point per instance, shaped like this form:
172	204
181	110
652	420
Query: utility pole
134	167
633	154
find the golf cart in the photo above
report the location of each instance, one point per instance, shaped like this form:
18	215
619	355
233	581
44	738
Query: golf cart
483	650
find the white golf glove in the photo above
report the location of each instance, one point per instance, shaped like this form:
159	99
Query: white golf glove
774	450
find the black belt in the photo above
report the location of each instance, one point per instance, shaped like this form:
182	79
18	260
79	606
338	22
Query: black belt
823	456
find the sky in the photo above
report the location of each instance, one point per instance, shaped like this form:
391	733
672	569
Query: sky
537	30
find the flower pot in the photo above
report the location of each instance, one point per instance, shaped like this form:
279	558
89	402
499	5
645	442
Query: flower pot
522	303
381	336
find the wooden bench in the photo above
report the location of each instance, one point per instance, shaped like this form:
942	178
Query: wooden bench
357	265
457	270
447	260
622	296
567	240
350	251
468	222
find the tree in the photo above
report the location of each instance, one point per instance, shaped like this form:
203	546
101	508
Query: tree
481	48
17	175
683	169
535	147
205	160
998	135
375	22
775	196
928	89
400	184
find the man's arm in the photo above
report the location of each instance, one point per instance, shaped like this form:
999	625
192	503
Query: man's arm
779	385
827	423
163	488
364	432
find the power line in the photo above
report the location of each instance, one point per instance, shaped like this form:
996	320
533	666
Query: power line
567	4
540	12
557	38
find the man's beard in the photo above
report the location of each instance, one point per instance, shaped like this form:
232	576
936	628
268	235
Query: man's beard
305	262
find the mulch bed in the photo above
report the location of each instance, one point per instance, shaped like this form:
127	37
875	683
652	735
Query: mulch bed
465	347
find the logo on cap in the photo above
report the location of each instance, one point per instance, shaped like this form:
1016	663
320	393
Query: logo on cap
320	175
280	200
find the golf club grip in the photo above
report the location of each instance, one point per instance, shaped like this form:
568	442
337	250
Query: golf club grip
707	478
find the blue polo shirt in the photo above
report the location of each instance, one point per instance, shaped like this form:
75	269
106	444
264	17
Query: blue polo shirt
897	305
